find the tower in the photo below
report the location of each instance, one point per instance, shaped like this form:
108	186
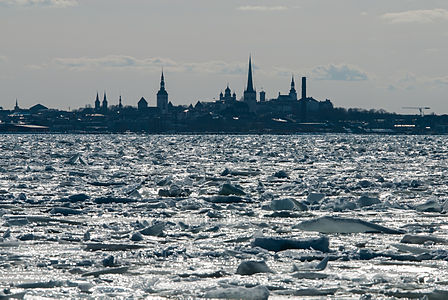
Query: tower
162	96
227	96
303	87
227	93
120	105
262	96
17	108
97	102
304	104
104	105
292	91
250	95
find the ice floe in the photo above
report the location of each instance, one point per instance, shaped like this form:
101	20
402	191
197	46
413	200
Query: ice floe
231	217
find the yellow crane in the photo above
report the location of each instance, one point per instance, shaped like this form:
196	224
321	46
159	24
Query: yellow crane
420	109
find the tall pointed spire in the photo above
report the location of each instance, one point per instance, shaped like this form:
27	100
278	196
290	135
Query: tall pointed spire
249	95
292	91
104	104
293	85
162	81
162	96
250	84
97	102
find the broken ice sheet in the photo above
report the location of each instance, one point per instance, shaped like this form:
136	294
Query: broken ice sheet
83	215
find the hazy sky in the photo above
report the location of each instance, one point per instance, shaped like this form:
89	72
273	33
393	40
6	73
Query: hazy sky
358	53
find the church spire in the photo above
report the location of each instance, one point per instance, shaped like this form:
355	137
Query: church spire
292	91
293	86
249	95
250	85
162	96
104	104
162	81
97	102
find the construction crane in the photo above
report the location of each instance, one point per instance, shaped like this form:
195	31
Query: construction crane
420	109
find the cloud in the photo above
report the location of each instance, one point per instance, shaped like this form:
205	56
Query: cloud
441	81
407	81
340	72
151	64
410	81
40	3
220	67
111	62
36	67
261	8
417	16
343	72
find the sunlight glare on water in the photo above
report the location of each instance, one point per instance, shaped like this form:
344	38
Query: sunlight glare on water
98	216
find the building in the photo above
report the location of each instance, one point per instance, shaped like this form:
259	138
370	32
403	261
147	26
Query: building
104	104
309	104
250	95
97	102
292	96
162	96
142	104
292	91
120	105
37	107
17	108
227	96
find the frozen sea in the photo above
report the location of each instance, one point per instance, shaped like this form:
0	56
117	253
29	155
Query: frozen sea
222	216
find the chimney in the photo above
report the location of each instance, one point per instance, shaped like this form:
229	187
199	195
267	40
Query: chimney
303	87
262	96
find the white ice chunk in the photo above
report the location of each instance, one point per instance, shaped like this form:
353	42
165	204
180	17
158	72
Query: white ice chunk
255	293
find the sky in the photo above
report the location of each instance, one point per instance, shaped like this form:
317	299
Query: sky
382	54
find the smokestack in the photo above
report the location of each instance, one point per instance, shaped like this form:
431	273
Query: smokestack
303	87
262	96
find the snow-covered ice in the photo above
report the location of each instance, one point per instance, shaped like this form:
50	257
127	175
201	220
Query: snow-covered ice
234	217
